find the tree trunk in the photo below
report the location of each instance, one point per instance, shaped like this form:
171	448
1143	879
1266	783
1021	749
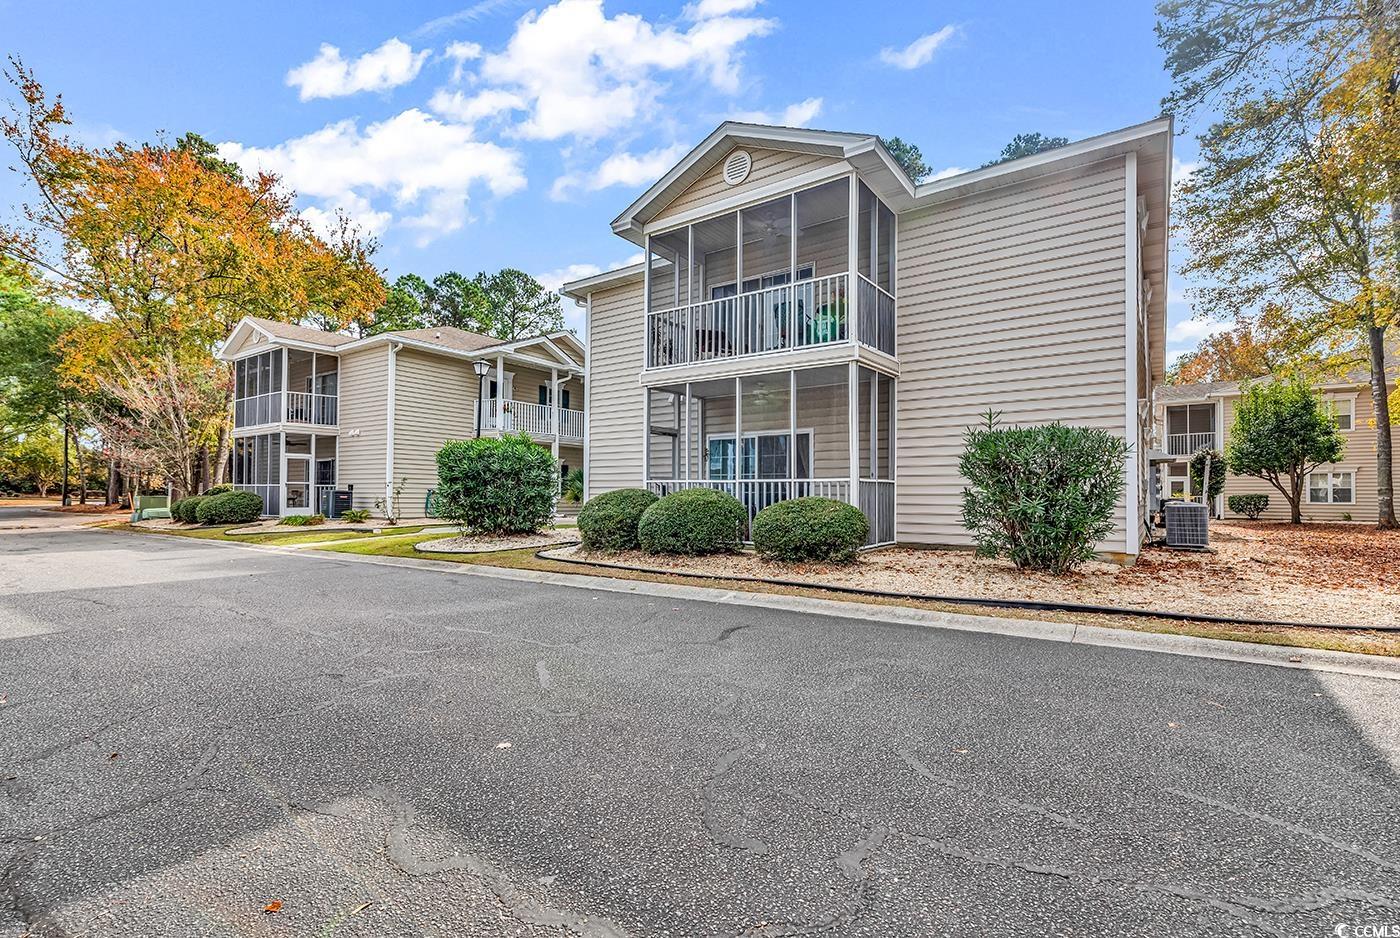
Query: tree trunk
113	481
1380	397
82	476
1295	497
64	497
225	435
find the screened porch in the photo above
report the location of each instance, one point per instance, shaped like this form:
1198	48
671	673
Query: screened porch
786	434
810	268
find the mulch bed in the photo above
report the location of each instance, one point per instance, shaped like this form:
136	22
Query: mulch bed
1343	574
483	544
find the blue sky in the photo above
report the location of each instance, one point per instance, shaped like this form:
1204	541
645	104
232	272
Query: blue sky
507	133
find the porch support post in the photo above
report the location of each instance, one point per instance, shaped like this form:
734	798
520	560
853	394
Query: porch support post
554	410
282	455
792	424
853	417
651	341
646	438
738	434
283	381
500	394
852	260
792	274
685	450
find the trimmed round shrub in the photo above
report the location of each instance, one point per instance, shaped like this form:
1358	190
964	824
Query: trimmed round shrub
1041	496
1251	506
609	521
184	509
810	529
496	486
693	521
235	507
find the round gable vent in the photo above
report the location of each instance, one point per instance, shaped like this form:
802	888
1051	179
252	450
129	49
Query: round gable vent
737	166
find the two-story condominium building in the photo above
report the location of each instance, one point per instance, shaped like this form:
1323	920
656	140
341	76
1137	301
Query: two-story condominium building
318	411
1191	417
809	321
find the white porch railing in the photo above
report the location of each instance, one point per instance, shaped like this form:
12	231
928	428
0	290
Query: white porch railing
794	315
1188	444
534	419
319	409
876	316
758	494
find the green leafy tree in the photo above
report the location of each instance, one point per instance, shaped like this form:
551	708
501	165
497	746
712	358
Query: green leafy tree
30	332
1282	432
1303	161
1027	145
519	306
402	308
909	157
1218	467
35	456
455	300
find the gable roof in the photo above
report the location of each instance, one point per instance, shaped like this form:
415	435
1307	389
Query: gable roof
864	151
1348	377
459	340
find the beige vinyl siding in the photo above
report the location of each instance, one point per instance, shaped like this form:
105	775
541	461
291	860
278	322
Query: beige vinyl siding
769	167
434	402
525	385
1014	300
1360	458
615	356
363	428
823	410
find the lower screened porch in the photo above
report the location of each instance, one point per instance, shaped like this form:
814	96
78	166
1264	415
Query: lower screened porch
826	431
293	473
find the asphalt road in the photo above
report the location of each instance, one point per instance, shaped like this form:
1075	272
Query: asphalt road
191	733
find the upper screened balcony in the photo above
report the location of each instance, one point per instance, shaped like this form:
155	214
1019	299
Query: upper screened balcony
308	395
811	268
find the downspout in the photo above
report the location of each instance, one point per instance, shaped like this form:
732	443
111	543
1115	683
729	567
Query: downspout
389	433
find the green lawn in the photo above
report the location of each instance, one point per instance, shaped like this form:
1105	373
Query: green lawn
286	537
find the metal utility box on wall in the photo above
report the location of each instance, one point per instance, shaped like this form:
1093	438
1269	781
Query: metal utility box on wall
1188	525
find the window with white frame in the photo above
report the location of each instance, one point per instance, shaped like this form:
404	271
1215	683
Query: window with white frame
1332	487
1344	409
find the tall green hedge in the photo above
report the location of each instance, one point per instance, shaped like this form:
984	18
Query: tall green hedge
185	509
1041	496
496	486
610	521
693	521
810	529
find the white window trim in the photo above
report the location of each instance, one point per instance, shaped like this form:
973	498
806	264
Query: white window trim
781	270
1333	400
1331	474
754	435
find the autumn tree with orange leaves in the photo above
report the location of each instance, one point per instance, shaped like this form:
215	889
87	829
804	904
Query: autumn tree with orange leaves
170	246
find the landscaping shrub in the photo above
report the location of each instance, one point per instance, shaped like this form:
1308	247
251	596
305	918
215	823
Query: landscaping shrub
234	507
355	515
496	486
810	529
1040	496
573	485
1251	506
220	489
1197	469
184	509
609	521
693	521
301	520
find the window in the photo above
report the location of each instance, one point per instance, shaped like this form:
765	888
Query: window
544	394
751	284
563	396
765	456
1331	488
1344	409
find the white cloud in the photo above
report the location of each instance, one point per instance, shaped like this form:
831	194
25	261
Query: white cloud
1182	171
469	15
945	173
1193	330
794	115
329	75
471	108
704	9
585	74
555	279
460	53
422	167
620	169
920	51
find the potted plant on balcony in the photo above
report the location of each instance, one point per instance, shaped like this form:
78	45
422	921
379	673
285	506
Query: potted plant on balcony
827	322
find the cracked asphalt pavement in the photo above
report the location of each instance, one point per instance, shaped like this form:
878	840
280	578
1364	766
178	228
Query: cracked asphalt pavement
191	734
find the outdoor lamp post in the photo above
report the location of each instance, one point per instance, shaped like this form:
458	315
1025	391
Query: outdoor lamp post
480	367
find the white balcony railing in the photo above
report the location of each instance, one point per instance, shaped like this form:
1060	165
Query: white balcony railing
758	494
876	316
1188	444
319	409
794	315
534	419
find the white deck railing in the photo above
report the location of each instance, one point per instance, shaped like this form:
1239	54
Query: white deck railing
758	494
319	409
876	316
534	419
1188	444
794	315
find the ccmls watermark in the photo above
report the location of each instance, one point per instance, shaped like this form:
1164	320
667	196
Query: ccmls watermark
1367	930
